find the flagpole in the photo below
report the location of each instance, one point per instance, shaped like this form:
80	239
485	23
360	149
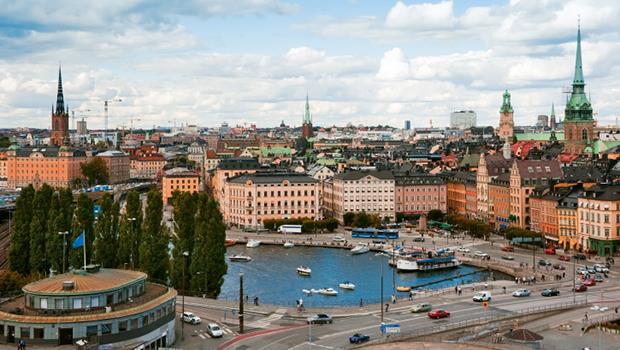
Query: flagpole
84	233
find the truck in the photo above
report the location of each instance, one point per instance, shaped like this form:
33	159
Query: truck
289	229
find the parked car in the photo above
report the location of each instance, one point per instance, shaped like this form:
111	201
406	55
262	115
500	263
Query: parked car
521	293
550	251
319	319
544	262
579	256
564	258
600	268
189	317
550	292
580	288
438	314
508	248
559	266
418	239
589	282
463	250
599	278
482	296
358	338
338	239
508	257
421	307
214	330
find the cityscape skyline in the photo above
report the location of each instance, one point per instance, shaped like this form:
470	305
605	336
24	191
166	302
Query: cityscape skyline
201	68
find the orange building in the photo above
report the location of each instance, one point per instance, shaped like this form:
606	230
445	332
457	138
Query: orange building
544	212
228	168
147	166
499	201
179	179
58	167
456	200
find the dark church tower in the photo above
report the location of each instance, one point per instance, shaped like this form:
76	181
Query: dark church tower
306	126
60	118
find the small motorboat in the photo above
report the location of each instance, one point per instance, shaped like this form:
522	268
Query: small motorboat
289	244
304	270
360	248
314	291
338	239
328	291
403	289
307	291
347	285
237	257
253	243
229	242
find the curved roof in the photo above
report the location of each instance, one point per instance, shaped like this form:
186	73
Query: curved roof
86	283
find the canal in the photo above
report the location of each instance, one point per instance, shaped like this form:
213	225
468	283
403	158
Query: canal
272	276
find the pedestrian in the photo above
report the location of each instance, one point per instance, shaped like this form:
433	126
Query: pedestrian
504	289
411	295
456	290
256	301
387	307
616	309
486	285
586	316
393	299
361	302
460	291
247	298
563	274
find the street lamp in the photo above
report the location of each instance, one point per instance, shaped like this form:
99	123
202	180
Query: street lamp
185	256
64	247
133	240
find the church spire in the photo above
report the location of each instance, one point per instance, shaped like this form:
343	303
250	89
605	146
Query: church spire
578	79
60	99
307	116
552	109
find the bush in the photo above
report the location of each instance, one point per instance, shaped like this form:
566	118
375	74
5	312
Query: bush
348	218
435	215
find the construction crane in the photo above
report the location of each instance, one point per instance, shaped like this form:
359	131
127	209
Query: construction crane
106	116
131	120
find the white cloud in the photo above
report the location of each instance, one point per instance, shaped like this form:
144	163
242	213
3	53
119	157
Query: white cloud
394	65
424	16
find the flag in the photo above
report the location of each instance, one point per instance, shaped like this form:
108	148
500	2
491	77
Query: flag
78	241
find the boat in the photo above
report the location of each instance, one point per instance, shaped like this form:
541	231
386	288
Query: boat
304	270
429	264
347	285
307	291
229	242
328	291
289	244
403	289
253	243
237	257
360	248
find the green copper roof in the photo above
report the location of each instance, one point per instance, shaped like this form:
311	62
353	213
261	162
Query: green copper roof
578	79
540	136
578	107
267	151
506	106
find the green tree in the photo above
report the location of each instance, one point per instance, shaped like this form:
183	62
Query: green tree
106	233
83	221
19	251
5	142
95	171
154	259
348	218
362	220
133	221
435	215
184	219
38	229
53	241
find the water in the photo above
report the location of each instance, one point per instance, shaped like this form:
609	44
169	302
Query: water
272	276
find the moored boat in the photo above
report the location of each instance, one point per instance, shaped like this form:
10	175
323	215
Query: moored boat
328	291
242	258
253	243
403	289
289	244
429	264
304	270
229	242
360	248
347	285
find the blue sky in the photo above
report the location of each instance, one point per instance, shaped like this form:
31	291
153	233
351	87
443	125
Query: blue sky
251	61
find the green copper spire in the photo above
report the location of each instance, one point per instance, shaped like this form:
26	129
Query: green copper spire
578	79
506	106
307	117
578	108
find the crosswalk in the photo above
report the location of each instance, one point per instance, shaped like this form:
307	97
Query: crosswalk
266	322
204	335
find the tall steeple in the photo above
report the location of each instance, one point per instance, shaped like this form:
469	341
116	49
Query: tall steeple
506	106
578	79
306	127
307	117
60	99
578	107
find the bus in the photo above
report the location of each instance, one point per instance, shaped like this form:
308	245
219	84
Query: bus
289	229
370	232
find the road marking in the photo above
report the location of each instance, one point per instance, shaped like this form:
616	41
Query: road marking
203	336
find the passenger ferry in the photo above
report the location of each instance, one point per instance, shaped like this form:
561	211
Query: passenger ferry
427	264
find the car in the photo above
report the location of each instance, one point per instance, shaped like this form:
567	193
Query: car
564	258
580	288
600	268
320	319
599	278
189	317
559	266
550	251
521	293
579	256
421	307
508	248
508	257
482	296
378	241
249	229
358	338
550	292
479	254
544	262
463	250
440	313
214	330
589	282
418	239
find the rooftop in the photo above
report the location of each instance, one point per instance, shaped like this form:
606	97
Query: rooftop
85	283
273	177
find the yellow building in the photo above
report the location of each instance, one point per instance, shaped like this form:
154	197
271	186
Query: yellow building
179	179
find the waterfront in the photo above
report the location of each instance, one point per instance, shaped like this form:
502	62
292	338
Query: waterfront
272	276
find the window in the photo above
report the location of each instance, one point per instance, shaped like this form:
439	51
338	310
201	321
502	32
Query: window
37	333
91	331
24	332
584	134
43	303
77	303
106	328
122	326
94	301
58	304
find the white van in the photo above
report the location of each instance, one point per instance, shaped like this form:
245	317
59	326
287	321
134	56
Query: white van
482	296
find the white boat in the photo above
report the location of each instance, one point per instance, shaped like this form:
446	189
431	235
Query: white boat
328	291
253	243
338	239
307	291
360	248
237	257
347	285
304	270
427	264
289	244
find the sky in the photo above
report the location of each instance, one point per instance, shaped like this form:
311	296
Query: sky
365	62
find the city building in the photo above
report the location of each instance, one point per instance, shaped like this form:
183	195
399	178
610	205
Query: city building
55	166
462	119
306	126
60	118
179	179
489	167
107	308
117	164
506	122
456	198
542	121
578	121
249	199
320	172
499	201
598	219
567	220
471	195
407	124
146	166
419	193
545	213
361	191
227	168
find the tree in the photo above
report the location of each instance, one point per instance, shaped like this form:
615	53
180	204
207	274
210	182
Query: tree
184	219
435	215
39	228
83	221
154	242
348	218
95	171
133	229
5	142
362	220
54	241
106	233
19	251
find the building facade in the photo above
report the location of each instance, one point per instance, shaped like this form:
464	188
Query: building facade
456	198
506	122
598	219
146	166
499	201
419	193
55	166
362	191
489	167
117	164
179	179
306	126
462	119
227	168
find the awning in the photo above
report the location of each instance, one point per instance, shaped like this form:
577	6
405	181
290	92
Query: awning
552	238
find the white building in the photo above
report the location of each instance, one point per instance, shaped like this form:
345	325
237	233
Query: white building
462	119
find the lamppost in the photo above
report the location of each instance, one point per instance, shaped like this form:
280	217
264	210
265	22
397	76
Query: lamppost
133	233
185	256
64	247
381	304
